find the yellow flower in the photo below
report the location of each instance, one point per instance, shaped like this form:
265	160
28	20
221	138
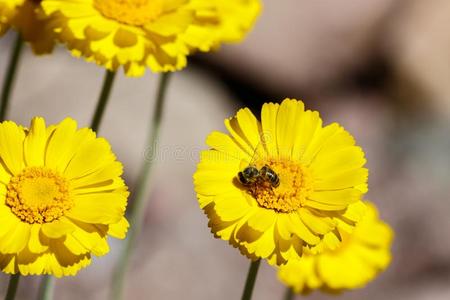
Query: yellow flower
361	256
158	34
320	170
8	9
28	19
229	21
62	197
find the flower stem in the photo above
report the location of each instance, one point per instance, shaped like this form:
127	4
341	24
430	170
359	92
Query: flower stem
46	288
12	287
289	294
136	212
251	278
11	72
103	100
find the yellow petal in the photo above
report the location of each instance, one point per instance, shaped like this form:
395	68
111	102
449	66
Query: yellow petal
262	219
229	147
343	180
269	114
5	176
307	130
289	116
35	244
11	146
90	157
333	200
231	206
16	239
318	224
103	177
320	139
299	228
35	143
101	248
60	145
337	162
58	228
119	230
102	208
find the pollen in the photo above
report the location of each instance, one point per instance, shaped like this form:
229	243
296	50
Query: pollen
290	195
130	12
38	195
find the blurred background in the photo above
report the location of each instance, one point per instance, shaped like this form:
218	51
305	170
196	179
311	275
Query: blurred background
380	68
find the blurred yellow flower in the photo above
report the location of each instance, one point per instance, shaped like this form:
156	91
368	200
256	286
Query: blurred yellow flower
26	16
35	27
320	170
62	197
158	34
8	9
360	257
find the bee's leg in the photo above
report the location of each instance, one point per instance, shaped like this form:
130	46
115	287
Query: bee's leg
254	189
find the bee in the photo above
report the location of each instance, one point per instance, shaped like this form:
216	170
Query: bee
251	176
269	175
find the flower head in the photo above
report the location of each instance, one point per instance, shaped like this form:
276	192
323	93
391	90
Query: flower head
26	16
62	197
320	172
8	9
360	257
158	34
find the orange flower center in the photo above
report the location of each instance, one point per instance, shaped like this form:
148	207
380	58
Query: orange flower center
295	186
38	195
131	12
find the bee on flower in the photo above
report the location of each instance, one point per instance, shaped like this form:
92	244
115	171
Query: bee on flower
316	173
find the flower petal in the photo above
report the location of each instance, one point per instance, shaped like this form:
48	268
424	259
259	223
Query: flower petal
102	208
35	143
11	146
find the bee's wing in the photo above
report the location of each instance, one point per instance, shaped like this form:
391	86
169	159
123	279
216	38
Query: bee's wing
260	150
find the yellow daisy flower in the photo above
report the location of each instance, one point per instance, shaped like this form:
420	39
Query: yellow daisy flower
35	27
158	34
8	9
320	172
222	21
27	17
361	256
62	197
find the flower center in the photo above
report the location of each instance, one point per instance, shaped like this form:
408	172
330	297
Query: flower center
38	195
289	196
131	12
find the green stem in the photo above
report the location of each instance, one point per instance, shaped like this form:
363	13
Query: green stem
251	278
46	288
11	72
12	286
103	100
289	294
136	212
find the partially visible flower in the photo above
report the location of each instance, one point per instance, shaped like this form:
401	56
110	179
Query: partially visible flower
158	34
26	16
221	22
35	27
8	9
62	196
360	257
320	169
